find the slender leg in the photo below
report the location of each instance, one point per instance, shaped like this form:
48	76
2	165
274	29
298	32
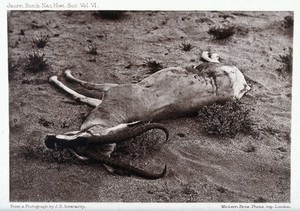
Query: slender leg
89	85
90	101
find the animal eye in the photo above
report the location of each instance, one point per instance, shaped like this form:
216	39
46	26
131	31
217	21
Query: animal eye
225	72
246	86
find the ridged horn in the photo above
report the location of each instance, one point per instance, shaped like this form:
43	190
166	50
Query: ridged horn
127	167
130	132
52	141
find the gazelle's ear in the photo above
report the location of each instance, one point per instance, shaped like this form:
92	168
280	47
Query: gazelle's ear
214	58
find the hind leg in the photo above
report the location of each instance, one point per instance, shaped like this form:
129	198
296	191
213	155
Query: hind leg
76	96
89	85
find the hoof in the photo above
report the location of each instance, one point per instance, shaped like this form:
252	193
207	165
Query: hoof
68	72
52	79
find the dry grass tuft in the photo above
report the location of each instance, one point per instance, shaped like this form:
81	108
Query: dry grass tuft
186	46
92	50
153	66
36	63
41	42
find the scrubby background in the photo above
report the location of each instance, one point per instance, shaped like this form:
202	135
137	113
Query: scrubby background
201	168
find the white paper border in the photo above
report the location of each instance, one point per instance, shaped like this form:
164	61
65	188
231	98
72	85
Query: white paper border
240	5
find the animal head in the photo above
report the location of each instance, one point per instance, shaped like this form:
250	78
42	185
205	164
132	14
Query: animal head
228	81
237	79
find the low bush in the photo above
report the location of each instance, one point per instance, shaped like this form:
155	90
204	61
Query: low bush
221	33
226	119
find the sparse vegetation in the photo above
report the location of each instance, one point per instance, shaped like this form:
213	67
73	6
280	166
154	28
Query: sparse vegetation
60	156
260	200
186	46
12	66
289	21
226	119
286	67
221	189
40	42
36	63
110	15
140	146
154	66
92	50
221	33
45	122
249	148
29	151
22	32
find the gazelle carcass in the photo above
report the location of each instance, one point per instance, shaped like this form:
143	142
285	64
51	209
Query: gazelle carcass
125	110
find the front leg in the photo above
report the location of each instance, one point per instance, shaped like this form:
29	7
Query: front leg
90	101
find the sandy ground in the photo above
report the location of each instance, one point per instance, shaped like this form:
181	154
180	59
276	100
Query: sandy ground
201	168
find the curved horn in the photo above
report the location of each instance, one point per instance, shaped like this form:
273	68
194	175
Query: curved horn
128	133
93	155
127	167
52	141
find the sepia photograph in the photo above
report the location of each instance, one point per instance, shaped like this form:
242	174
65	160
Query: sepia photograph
151	106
